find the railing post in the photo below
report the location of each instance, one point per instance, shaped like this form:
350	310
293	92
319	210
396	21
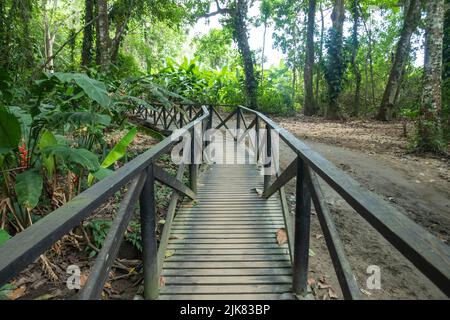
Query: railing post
181	117
148	234
257	138
302	229
209	123
193	166
164	118
267	158
238	119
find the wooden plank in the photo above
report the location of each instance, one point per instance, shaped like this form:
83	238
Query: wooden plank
245	296
224	251
226	280
221	235
224	241
236	289
230	258
203	227
227	231
227	222
272	245
228	272
225	264
224	218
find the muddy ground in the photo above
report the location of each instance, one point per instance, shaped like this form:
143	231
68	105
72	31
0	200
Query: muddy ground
376	155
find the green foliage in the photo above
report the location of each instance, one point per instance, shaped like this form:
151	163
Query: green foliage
10	131
96	90
99	230
71	156
214	50
133	234
117	153
4	236
276	93
28	188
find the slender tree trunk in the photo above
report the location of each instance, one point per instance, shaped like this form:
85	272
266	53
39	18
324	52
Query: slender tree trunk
120	31
366	89
88	37
355	47
319	66
411	20
309	61
251	83
446	69
335	68
263	49
103	40
294	83
372	80
49	40
430	134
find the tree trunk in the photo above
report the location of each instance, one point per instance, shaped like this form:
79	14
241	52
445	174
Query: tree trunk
309	61
242	39
263	49
430	133
103	40
411	20
88	37
446	68
120	31
335	68
355	47
319	66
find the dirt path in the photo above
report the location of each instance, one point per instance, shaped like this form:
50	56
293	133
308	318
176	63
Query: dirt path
418	187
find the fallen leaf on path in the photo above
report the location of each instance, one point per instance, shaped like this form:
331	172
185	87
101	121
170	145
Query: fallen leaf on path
17	293
83	279
311	253
258	191
323	286
169	253
162	281
281	236
311	282
332	294
367	293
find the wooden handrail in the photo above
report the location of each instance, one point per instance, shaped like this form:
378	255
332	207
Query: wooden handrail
25	247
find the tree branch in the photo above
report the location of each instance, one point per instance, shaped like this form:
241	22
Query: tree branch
211	14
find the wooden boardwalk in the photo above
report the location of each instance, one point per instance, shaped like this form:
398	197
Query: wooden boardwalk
223	245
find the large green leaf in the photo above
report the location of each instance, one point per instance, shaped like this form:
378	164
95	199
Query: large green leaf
82	157
85	117
95	89
10	131
117	152
4	236
28	188
48	140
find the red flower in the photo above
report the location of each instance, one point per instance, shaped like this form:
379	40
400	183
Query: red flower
23	155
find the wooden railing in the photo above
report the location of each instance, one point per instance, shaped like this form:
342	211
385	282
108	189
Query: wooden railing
140	175
430	255
425	251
